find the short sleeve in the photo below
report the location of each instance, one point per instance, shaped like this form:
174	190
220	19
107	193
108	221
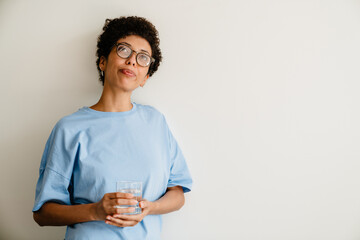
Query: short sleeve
55	169
179	171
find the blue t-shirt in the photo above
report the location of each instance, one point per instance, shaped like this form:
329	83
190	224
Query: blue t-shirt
89	151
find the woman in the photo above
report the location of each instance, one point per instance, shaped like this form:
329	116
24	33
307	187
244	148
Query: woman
114	140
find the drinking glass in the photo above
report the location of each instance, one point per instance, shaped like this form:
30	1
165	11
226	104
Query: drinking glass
134	188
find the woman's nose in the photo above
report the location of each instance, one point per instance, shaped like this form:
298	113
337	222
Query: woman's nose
132	59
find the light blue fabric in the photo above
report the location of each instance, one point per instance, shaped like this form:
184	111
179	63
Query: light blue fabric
89	150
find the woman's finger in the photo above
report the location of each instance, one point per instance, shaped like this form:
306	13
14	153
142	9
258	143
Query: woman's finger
143	204
124	210
115	195
122	201
119	222
134	217
111	206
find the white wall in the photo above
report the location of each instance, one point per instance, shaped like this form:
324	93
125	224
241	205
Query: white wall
262	96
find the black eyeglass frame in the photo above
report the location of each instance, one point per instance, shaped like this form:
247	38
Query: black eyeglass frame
152	60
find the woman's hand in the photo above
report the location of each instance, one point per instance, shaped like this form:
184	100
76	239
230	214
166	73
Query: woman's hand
106	206
121	220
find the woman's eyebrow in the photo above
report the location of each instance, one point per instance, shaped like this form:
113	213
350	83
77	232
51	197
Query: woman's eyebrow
128	44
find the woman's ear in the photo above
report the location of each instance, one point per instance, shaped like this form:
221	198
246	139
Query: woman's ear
102	63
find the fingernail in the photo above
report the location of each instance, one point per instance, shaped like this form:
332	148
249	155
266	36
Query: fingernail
108	218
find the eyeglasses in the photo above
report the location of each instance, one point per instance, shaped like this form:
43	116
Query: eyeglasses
125	52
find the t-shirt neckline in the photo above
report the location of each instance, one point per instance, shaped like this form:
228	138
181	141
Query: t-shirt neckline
101	113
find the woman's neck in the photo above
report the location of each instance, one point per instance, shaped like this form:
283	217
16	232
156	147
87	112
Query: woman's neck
113	102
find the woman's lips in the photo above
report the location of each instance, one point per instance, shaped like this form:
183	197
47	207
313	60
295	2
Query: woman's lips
128	72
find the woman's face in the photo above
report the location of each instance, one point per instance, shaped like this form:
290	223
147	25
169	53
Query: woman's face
126	74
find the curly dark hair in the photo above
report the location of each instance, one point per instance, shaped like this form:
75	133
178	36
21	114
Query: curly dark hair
117	28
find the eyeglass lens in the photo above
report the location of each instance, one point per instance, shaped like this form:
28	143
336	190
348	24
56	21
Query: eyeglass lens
141	58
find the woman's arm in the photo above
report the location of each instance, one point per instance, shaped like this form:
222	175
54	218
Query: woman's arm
172	200
55	214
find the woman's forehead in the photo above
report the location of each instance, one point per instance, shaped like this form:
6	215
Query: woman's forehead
136	42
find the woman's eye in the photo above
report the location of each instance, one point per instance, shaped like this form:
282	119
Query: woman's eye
144	57
123	49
